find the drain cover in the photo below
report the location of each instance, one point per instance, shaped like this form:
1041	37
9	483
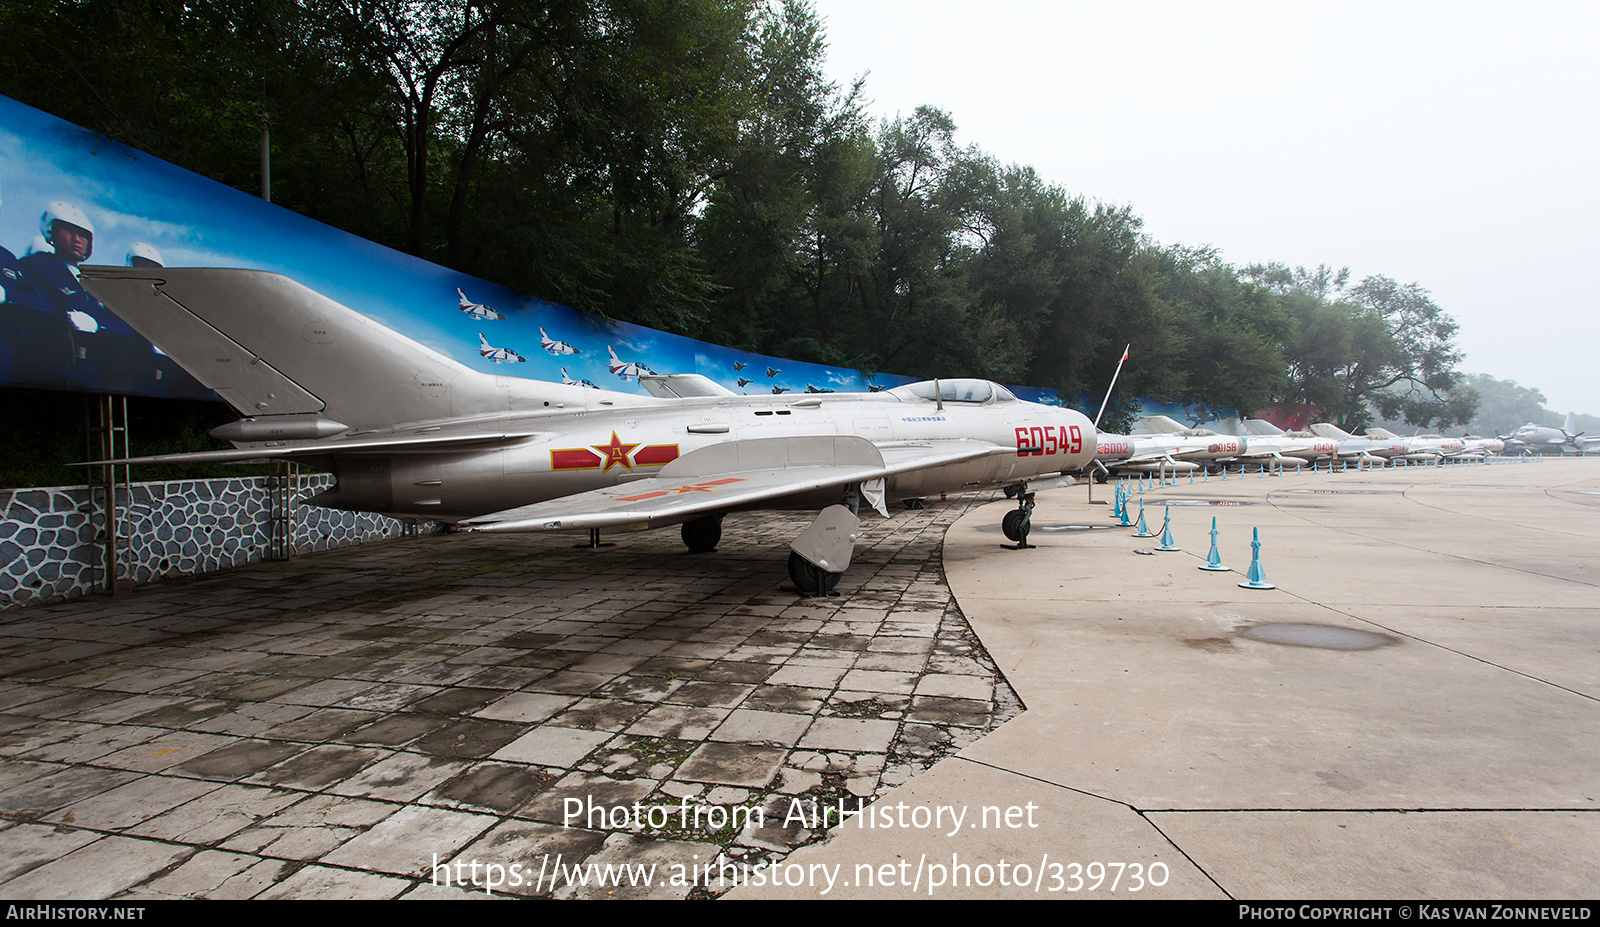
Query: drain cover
1324	636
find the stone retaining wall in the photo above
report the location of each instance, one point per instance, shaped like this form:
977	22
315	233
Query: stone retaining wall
51	543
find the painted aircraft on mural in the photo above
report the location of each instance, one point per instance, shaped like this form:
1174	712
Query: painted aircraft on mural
478	310
627	370
410	432
555	347
496	355
567	379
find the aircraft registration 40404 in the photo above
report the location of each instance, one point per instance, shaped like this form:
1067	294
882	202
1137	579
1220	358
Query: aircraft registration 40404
412	433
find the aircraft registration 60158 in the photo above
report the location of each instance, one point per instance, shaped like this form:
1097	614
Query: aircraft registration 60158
412	433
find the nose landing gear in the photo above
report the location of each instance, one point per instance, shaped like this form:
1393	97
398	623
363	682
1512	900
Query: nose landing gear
1018	521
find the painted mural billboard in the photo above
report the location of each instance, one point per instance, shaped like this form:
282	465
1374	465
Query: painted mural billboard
71	197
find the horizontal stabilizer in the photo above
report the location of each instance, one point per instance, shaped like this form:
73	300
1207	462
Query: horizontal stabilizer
1162	424
430	444
682	386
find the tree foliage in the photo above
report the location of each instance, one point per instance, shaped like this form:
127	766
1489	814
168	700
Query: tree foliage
687	165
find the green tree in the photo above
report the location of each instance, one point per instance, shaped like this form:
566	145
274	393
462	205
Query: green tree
1505	406
1231	332
1378	346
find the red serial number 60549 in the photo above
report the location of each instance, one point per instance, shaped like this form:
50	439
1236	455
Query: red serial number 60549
1036	441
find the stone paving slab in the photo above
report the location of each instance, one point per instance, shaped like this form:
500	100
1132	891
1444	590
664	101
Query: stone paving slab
333	726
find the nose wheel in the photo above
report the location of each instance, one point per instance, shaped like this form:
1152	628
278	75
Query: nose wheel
1017	522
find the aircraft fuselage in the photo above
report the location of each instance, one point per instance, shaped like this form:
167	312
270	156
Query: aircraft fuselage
575	451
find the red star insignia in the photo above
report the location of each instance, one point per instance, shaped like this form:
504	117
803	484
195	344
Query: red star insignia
616	453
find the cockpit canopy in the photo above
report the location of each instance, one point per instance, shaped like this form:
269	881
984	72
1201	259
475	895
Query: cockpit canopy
960	389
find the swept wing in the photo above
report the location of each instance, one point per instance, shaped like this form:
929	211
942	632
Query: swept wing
732	475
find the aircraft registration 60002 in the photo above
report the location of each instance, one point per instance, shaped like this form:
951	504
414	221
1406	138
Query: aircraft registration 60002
412	433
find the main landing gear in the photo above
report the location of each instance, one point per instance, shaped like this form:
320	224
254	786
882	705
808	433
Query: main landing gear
820	555
702	534
811	580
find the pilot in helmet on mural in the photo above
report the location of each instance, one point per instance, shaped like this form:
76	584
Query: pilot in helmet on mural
110	355
35	341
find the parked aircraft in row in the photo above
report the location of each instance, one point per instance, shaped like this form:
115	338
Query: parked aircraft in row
1269	443
410	432
1531	436
1180	452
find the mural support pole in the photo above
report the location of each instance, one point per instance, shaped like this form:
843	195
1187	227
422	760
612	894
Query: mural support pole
295	477
282	487
108	429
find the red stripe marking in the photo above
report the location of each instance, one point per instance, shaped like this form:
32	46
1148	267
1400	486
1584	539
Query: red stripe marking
578	458
654	455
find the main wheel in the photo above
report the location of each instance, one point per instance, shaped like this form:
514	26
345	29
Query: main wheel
1011	525
1100	476
702	534
808	579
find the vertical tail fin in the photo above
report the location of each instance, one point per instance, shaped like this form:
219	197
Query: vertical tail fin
271	346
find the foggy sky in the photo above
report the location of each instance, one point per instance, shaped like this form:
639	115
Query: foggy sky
1447	144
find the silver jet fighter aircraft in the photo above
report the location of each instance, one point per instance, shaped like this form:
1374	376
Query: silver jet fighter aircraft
1269	443
1475	446
1119	454
410	432
1171	440
1420	447
1360	449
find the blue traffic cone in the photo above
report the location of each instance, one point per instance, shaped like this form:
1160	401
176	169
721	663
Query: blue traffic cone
1214	559
1166	533
1256	578
1143	531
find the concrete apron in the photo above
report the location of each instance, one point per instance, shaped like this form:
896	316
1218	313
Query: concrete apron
1456	758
